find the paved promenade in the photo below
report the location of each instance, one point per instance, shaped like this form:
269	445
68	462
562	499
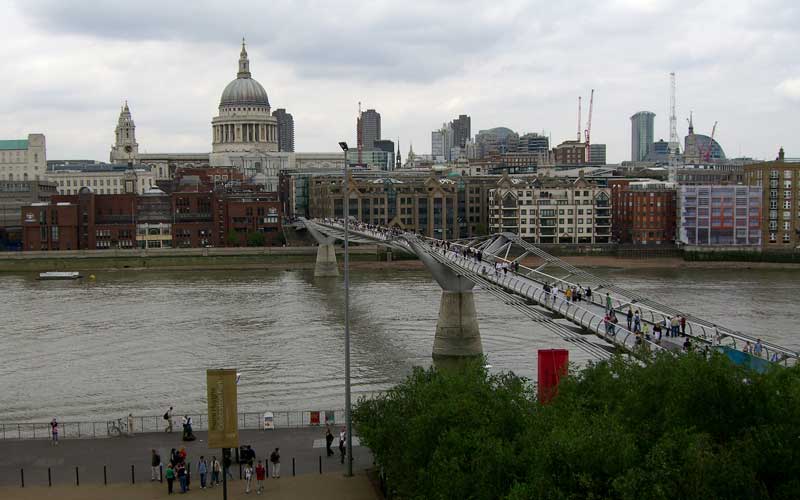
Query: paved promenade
305	445
332	486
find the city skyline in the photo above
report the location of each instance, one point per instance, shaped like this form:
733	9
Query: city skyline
417	75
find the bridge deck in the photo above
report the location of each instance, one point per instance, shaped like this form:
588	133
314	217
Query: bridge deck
526	292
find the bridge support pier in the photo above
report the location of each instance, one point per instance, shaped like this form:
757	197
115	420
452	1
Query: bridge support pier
458	337
457	334
326	261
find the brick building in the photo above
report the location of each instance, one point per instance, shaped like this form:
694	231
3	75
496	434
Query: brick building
570	153
644	212
50	226
154	219
779	184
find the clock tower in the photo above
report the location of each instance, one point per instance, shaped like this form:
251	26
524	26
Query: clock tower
125	149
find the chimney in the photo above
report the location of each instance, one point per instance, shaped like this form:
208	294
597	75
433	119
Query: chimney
780	154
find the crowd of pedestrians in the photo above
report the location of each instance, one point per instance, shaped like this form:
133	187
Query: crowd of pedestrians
672	327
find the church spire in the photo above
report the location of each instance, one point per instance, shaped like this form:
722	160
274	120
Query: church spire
244	63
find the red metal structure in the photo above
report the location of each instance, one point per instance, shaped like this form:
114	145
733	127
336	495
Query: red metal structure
588	130
552	365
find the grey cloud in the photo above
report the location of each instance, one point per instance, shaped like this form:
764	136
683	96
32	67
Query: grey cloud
373	41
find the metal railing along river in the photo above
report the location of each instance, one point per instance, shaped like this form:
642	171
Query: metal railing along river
157	423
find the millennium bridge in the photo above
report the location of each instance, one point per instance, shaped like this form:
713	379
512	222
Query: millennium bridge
494	264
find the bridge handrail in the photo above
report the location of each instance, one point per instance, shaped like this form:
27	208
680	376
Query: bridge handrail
622	297
708	337
566	309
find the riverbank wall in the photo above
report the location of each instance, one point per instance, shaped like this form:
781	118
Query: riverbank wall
373	256
181	258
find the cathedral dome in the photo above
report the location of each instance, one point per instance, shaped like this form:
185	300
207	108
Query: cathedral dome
244	91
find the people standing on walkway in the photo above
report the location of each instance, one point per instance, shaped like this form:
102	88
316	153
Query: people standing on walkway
226	460
170	475
181	472
629	316
248	478
637	321
342	448
683	326
275	459
261	475
202	469
328	441
155	466
168	418
130	424
608	301
758	348
215	470
54	431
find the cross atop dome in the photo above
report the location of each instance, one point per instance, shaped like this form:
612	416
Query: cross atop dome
244	63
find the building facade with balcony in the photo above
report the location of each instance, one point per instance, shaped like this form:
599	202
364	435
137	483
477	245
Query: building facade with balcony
779	184
547	210
442	206
720	215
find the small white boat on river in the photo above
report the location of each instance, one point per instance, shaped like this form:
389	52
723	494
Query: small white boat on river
60	275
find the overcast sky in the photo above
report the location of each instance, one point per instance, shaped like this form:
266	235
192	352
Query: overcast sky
67	66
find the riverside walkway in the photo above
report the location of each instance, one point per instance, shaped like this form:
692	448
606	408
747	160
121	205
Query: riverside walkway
125	459
539	294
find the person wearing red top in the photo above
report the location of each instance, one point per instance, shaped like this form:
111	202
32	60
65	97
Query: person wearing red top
261	475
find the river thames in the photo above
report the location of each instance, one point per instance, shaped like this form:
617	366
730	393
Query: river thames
140	341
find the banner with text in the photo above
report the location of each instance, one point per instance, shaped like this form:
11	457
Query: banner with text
223	425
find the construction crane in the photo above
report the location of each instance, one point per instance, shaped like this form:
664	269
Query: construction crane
706	156
588	130
360	134
579	119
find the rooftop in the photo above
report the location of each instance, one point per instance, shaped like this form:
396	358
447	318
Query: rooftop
14	144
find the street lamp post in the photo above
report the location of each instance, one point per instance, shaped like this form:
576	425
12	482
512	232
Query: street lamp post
347	404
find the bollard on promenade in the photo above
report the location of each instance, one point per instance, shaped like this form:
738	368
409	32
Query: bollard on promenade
133	474
320	464
161	473
105	476
49	477
293	467
22	477
77	477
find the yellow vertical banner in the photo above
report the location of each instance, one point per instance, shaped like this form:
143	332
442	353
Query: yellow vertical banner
223	424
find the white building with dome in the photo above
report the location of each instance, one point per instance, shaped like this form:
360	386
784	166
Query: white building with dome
244	134
245	123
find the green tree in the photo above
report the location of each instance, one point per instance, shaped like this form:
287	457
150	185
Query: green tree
256	239
232	238
677	427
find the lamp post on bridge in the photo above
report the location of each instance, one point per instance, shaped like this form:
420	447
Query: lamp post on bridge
347	409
